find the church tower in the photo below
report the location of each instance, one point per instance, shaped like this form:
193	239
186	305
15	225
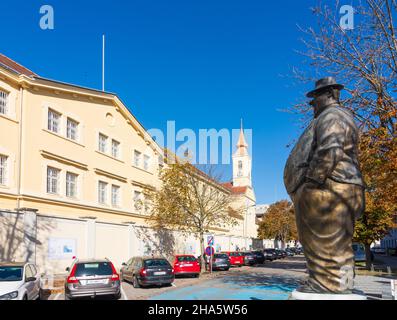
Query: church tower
242	163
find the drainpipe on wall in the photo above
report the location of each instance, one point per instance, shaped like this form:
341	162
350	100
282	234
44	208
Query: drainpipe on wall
19	156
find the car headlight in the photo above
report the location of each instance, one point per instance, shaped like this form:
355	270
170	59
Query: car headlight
9	296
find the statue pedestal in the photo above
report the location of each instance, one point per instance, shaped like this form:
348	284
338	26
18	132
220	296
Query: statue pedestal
296	295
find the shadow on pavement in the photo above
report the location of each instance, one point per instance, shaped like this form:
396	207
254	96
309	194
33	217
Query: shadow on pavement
282	283
296	264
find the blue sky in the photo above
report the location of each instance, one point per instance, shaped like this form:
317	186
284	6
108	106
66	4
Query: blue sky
203	64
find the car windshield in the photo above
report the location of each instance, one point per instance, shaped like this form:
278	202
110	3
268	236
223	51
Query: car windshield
93	269
156	263
358	247
187	259
11	273
221	256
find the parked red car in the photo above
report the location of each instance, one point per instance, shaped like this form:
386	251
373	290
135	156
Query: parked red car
188	265
236	258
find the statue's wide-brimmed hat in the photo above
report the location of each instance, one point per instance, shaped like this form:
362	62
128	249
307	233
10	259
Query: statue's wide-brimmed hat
328	82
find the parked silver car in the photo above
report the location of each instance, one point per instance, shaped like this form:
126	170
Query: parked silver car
19	281
92	278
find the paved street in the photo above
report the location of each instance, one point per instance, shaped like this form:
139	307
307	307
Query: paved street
271	281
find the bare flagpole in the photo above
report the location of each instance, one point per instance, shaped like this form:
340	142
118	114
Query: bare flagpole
103	62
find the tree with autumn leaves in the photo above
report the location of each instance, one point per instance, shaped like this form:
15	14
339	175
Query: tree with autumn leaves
279	223
364	59
191	201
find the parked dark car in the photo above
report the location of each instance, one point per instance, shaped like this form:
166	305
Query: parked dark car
220	261
249	258
282	253
289	252
148	271
260	257
91	278
270	254
378	250
299	250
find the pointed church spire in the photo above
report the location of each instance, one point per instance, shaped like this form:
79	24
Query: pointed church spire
242	143
242	162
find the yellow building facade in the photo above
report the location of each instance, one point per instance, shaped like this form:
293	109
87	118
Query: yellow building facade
73	162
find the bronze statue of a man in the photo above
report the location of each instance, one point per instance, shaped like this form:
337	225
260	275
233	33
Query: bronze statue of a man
323	178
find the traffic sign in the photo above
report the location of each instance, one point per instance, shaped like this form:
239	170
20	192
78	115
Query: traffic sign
209	251
210	240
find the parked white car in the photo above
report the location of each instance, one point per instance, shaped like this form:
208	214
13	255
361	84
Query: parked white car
19	281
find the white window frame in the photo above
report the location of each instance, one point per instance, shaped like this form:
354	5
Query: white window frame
53	180
51	121
115	196
115	149
3	169
146	162
102	143
138	197
74	184
72	133
4	102
137	158
102	193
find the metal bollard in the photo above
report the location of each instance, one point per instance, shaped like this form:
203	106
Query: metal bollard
389	270
372	267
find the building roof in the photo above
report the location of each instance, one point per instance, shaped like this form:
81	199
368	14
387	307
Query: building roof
235	190
15	66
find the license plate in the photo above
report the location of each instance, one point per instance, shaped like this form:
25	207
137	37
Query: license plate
188	265
103	281
161	273
222	265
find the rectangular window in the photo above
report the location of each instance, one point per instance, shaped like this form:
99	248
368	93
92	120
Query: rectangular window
137	158
137	200
161	162
71	131
102	143
115	149
3	102
102	191
53	121
115	196
3	170
146	162
71	185
53	180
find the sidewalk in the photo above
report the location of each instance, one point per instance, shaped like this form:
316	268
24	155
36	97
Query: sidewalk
374	287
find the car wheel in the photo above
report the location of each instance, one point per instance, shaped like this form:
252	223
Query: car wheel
118	296
197	275
135	282
41	296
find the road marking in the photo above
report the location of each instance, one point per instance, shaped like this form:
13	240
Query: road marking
124	296
57	296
